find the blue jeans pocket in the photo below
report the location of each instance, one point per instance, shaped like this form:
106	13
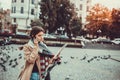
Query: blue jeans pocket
35	76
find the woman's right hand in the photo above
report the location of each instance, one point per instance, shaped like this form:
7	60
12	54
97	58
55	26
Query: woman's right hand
35	42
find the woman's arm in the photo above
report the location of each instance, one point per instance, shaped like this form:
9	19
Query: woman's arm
44	50
30	54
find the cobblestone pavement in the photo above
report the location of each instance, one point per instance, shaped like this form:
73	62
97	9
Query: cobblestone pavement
77	64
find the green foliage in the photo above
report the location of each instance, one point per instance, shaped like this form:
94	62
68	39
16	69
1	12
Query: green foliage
57	13
76	26
37	22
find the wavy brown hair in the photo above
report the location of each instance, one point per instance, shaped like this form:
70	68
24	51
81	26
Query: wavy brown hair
35	30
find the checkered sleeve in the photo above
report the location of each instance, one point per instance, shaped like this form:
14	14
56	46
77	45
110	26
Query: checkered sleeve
44	61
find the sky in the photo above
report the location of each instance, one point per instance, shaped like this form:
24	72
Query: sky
6	4
108	3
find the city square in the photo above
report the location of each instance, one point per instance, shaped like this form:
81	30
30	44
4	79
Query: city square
91	29
76	63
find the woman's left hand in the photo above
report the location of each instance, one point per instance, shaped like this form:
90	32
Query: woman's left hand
54	59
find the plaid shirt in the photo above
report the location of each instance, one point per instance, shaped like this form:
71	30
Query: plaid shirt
44	61
45	56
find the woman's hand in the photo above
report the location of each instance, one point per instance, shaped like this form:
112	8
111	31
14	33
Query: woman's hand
54	59
36	45
35	42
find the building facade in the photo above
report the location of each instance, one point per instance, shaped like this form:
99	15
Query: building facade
0	5
82	8
5	21
23	12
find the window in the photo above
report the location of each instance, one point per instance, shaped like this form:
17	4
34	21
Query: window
80	15
14	10
80	6
14	20
12	1
22	10
22	1
88	1
32	11
87	8
32	1
31	21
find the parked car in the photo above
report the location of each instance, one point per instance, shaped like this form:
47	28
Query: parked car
101	40
95	40
62	37
1	42
116	41
49	36
108	41
5	41
83	39
22	35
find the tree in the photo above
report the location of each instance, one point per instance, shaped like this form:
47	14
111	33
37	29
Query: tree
99	19
57	13
115	24
1	18
76	26
37	22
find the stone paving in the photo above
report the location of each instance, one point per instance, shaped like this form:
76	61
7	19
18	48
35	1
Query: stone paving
77	64
95	66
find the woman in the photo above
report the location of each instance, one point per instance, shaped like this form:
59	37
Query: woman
32	50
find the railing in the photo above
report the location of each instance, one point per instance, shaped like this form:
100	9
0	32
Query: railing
22	39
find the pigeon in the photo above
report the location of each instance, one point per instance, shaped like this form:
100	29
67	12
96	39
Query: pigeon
72	57
4	68
16	63
83	58
10	62
20	56
65	62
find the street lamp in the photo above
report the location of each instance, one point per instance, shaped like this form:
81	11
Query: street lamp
99	32
61	29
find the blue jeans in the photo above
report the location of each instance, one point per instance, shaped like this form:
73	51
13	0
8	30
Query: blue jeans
35	76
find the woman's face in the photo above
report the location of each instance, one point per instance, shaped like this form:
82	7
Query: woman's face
39	36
